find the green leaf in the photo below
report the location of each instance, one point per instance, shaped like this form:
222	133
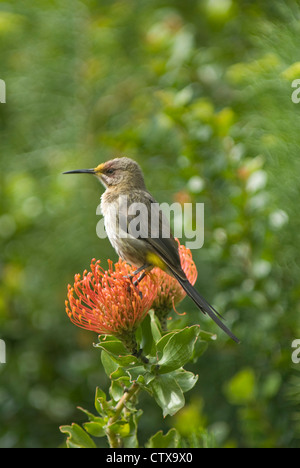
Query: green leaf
102	406
100	397
108	363
95	425
77	437
111	344
147	378
144	336
95	428
120	374
100	393
90	415
167	394
116	350
178	350
121	428
186	380
116	390
162	343
131	440
136	372
199	348
155	326
158	440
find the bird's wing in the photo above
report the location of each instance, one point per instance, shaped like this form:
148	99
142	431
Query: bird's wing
146	221
157	234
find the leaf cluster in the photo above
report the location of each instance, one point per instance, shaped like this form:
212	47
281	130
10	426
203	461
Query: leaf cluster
157	370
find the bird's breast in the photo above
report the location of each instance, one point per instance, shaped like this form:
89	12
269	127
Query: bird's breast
129	248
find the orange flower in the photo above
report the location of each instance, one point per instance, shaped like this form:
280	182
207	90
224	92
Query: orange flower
107	302
169	292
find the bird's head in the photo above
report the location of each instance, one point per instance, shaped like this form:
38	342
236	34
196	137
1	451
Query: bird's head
119	172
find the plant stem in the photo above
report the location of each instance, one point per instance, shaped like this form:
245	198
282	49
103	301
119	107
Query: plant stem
114	440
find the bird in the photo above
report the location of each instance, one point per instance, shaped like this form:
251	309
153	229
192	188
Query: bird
138	230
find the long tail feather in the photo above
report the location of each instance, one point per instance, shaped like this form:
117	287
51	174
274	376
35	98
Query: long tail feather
203	305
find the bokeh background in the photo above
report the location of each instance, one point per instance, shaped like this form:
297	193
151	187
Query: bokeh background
199	93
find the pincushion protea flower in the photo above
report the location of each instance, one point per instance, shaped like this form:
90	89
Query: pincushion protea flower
109	303
169	291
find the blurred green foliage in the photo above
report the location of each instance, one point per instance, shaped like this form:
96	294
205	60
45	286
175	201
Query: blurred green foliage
199	93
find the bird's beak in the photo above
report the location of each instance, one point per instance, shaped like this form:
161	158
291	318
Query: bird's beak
81	171
96	171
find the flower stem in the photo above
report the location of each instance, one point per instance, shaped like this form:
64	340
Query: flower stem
114	440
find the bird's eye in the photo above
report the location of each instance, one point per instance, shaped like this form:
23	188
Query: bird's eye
110	171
